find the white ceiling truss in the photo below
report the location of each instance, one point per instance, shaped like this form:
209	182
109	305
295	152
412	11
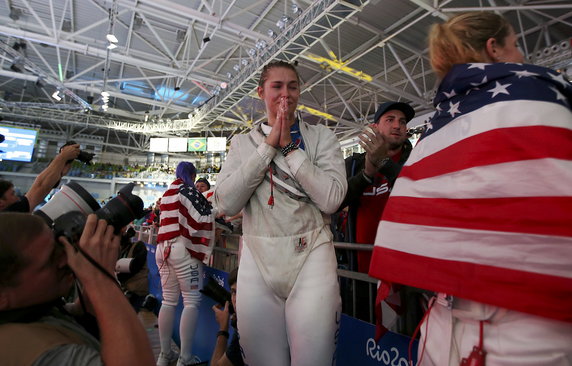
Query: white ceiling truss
165	75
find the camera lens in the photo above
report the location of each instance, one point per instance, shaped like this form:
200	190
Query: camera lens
122	209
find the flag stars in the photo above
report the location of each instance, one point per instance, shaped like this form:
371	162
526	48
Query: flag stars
559	78
499	89
477	65
484	81
524	73
454	109
559	96
451	94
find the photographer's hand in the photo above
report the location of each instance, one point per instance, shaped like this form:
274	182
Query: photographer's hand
99	242
69	152
124	341
49	177
222	316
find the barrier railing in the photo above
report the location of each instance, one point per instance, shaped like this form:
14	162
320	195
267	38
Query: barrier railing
225	258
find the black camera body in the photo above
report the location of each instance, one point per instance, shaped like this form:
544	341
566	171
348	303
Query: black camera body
84	156
218	293
66	213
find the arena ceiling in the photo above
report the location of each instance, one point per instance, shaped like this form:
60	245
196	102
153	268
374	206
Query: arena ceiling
189	67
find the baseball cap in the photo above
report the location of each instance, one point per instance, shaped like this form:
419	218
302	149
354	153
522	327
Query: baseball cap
388	106
205	181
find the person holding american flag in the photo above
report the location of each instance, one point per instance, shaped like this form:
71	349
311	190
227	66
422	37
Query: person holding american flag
482	210
185	240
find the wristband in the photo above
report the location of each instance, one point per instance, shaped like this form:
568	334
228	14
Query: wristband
286	149
223	333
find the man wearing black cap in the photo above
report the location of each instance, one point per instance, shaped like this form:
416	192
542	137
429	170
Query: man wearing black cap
371	174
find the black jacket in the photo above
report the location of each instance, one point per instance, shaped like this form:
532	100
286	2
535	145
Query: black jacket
357	183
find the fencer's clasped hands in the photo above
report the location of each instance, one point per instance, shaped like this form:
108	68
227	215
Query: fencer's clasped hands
280	134
376	149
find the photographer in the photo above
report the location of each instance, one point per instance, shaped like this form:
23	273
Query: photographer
36	271
233	355
131	268
43	184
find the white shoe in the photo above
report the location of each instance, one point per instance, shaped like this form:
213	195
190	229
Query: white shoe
166	359
192	361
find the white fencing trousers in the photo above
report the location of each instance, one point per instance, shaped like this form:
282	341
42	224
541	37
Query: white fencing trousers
511	338
301	330
180	274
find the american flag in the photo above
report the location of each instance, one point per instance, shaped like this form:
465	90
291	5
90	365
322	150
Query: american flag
186	212
483	207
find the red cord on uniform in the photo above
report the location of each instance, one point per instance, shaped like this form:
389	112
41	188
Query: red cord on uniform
271	198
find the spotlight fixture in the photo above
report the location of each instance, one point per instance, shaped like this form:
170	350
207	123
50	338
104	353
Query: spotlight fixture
111	38
15	13
224	85
40	82
236	67
244	62
146	118
229	75
206	39
17	64
271	33
296	9
252	52
260	44
283	22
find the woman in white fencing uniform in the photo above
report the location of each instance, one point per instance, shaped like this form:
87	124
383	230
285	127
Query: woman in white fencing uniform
287	177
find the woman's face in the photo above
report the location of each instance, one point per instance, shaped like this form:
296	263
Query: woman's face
510	51
280	82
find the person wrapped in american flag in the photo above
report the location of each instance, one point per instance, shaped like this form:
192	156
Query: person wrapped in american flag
482	211
185	240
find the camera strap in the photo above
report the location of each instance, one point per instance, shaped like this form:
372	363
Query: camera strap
95	264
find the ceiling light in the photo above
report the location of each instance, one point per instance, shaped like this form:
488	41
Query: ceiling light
283	22
252	52
111	46
260	44
236	67
244	62
224	85
56	95
229	75
104	94
271	33
111	38
296	9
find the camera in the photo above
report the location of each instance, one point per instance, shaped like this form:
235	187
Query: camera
67	211
84	156
218	293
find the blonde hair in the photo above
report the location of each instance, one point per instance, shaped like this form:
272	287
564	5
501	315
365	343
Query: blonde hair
463	38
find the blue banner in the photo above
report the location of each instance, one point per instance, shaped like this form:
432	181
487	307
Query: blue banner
356	345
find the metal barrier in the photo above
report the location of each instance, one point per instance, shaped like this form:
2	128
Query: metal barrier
225	258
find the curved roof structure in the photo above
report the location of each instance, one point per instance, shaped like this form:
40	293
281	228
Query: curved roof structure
189	67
